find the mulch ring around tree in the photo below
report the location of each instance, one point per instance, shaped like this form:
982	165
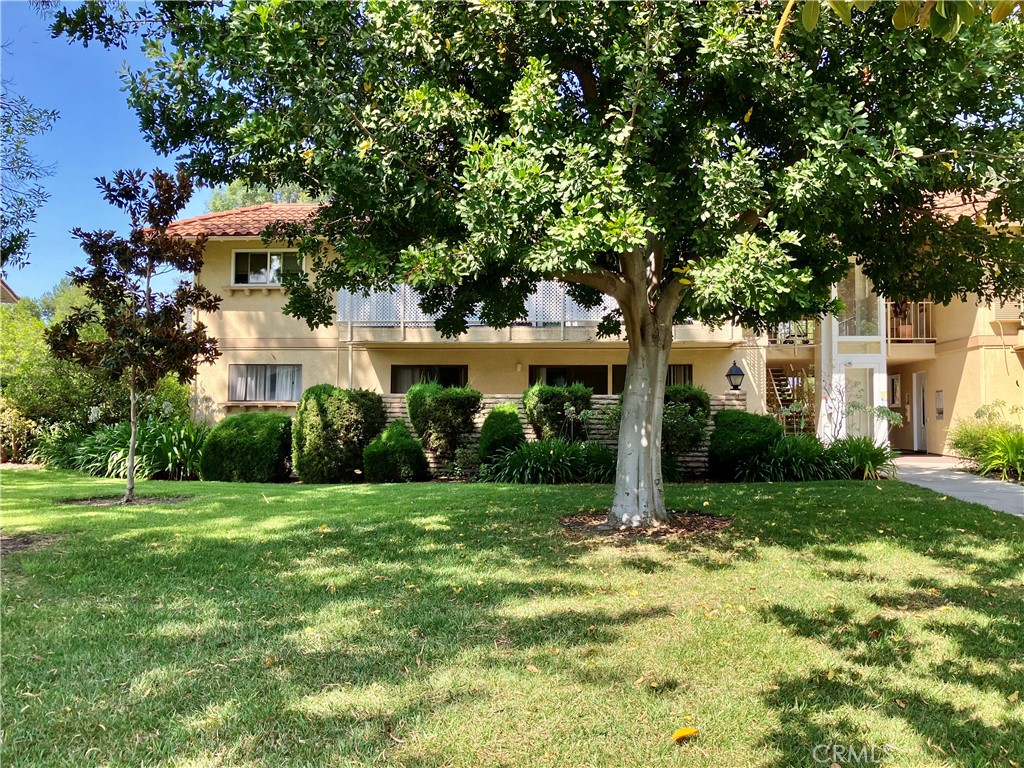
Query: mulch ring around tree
115	501
19	541
681	524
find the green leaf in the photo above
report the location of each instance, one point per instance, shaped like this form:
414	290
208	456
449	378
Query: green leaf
966	12
904	15
843	9
863	5
1002	9
809	14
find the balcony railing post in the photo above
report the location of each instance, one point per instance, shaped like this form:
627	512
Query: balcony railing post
563	311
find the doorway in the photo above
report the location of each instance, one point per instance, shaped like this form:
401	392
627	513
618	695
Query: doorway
920	412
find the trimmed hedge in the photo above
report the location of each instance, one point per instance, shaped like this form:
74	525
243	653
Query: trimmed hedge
332	427
416	402
395	457
685	421
249	448
555	412
501	431
442	415
739	438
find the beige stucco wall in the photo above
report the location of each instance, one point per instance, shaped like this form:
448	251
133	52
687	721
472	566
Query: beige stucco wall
977	362
251	328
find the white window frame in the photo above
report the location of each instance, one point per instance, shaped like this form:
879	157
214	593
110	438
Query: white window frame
268	252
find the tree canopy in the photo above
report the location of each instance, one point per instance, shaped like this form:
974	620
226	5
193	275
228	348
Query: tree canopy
146	334
662	154
238	194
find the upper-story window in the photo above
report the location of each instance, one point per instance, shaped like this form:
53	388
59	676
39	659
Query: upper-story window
859	316
265	267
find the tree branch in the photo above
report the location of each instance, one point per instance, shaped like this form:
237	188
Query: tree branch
601	279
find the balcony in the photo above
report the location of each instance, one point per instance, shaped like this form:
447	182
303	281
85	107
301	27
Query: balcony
551	315
912	326
796	332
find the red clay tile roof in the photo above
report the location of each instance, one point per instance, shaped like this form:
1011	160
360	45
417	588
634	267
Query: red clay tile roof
242	222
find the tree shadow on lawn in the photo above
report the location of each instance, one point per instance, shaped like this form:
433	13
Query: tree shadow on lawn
319	630
311	638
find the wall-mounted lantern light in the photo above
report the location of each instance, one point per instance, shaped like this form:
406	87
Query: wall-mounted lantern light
735	376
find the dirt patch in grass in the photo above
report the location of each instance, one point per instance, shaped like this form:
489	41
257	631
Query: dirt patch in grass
19	541
115	501
681	524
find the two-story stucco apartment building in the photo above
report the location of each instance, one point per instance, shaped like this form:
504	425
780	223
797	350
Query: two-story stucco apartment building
934	364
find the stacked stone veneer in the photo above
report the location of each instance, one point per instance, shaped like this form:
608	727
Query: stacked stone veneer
597	428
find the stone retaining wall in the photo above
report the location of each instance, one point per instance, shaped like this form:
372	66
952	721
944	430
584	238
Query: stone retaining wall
598	430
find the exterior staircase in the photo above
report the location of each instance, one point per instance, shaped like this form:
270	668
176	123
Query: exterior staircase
781	397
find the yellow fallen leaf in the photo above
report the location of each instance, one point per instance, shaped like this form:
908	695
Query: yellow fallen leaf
1013	696
831	674
746	117
901	703
683	734
531	668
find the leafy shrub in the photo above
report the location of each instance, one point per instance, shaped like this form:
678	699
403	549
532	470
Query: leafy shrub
395	457
466	465
443	415
15	432
355	417
685	421
1003	454
416	400
168	450
550	462
249	448
739	437
332	426
55	445
168	401
558	412
792	458
974	439
314	458
860	458
501	431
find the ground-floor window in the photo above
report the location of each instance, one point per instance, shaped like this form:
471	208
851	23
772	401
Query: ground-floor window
678	373
264	383
404	376
593	376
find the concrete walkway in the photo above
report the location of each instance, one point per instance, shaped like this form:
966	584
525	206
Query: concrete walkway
940	474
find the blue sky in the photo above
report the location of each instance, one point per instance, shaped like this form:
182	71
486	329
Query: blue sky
96	135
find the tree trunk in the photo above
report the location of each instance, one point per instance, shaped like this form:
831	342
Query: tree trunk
639	489
129	491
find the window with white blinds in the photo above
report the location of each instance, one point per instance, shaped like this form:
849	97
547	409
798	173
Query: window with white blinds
264	383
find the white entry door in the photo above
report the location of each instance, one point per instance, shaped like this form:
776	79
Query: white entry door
920	412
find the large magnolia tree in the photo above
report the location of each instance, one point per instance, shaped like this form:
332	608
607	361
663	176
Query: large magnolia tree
665	155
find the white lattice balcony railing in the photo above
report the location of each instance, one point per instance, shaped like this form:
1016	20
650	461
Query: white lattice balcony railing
548	307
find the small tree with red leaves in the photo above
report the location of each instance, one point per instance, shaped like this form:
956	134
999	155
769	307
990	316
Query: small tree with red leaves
149	334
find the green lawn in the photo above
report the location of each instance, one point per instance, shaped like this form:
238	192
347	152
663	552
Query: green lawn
455	625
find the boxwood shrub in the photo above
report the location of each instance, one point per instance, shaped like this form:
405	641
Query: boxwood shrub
739	438
249	448
332	427
501	431
395	457
443	415
558	412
